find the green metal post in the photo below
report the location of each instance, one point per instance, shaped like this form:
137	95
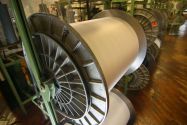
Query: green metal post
11	84
107	4
21	23
132	7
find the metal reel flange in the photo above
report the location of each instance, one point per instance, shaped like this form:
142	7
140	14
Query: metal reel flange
140	79
149	61
95	93
149	23
162	18
154	50
136	80
70	97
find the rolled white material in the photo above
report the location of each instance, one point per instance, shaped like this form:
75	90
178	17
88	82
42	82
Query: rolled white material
119	113
103	49
113	42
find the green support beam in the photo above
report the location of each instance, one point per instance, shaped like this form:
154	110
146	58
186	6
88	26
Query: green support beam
25	35
132	7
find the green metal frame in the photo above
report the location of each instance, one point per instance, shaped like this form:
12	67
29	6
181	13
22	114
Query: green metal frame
3	67
26	38
11	84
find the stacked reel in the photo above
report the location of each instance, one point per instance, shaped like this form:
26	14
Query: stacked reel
84	61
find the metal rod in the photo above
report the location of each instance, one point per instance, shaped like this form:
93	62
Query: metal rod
12	63
29	99
132	7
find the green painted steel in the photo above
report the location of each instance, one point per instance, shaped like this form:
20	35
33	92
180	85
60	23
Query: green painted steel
25	35
12	63
132	7
29	99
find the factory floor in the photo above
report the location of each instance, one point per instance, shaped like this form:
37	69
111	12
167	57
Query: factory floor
162	102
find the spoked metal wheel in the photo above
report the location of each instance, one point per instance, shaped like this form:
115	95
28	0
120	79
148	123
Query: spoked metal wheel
70	92
149	61
140	79
83	100
148	23
154	50
65	47
136	80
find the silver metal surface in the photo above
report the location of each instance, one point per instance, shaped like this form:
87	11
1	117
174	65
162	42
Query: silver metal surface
105	37
139	32
101	50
